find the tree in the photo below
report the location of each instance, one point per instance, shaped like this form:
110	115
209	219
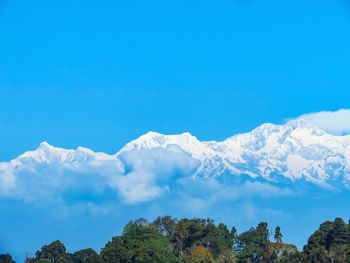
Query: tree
226	256
338	235
339	254
166	225
278	235
140	242
86	256
294	257
167	240
180	236
252	245
6	258
233	234
330	243
278	251
116	251
200	254
55	252
216	238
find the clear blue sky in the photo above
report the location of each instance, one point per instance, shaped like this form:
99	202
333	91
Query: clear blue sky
100	73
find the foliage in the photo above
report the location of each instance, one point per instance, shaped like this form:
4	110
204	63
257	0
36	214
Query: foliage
252	245
227	256
54	252
200	254
140	242
43	261
278	235
168	240
330	243
6	258
203	232
86	256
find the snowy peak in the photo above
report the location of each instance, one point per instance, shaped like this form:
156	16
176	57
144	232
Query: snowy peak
151	140
48	154
294	151
45	153
154	139
44	145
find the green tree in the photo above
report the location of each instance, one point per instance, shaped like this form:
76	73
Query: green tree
252	245
338	235
278	251
167	240
278	235
6	258
330	243
56	252
86	256
339	254
226	256
201	232
200	254
116	251
140	242
166	225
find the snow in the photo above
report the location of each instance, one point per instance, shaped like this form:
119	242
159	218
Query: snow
296	150
49	154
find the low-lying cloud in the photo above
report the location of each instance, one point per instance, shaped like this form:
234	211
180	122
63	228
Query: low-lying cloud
151	172
133	178
334	122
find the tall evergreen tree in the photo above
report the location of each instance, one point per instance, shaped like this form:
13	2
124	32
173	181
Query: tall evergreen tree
278	235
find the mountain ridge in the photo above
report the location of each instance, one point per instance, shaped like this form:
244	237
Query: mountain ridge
296	151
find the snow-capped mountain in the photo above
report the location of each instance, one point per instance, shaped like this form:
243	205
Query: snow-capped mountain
295	151
48	154
48	162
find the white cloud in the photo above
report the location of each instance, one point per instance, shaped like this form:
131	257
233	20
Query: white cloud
136	176
151	172
7	179
214	191
334	122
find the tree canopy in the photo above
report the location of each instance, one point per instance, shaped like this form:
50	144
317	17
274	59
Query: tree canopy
197	240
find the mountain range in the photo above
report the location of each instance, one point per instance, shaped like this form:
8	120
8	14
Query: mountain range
294	152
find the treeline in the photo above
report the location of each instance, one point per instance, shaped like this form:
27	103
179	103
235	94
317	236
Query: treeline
170	240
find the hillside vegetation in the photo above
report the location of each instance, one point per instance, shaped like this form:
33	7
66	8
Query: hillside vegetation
197	240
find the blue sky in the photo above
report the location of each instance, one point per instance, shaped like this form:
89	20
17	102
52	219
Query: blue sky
99	74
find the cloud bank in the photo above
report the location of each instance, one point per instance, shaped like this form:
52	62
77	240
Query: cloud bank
334	122
132	178
151	173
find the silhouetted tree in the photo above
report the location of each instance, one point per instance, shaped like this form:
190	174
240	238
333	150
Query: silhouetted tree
55	252
278	235
6	258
